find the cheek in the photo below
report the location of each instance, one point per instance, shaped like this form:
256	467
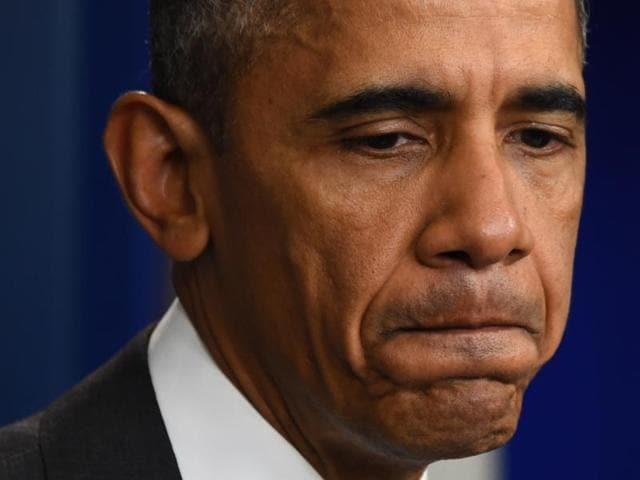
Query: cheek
310	248
346	246
556	232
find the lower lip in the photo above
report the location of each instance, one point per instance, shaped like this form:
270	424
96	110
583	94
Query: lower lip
417	357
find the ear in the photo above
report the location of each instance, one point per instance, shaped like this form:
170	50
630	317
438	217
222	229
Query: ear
156	151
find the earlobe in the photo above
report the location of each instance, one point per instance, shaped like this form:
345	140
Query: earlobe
158	153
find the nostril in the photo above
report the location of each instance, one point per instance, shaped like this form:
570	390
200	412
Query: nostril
476	260
515	255
466	242
457	256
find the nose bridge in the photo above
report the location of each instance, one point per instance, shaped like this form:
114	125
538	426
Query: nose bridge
480	221
478	193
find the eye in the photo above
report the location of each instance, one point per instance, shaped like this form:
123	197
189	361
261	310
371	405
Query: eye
387	143
383	142
538	140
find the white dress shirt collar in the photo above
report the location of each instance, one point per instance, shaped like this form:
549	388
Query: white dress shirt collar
214	431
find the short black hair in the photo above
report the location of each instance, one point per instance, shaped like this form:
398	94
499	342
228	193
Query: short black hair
199	47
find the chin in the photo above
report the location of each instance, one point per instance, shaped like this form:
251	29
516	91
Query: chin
450	419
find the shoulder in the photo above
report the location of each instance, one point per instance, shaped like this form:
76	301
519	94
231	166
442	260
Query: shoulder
109	423
102	396
20	456
109	426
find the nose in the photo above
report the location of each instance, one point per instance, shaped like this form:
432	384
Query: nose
477	210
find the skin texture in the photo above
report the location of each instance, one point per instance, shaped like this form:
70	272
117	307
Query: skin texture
382	286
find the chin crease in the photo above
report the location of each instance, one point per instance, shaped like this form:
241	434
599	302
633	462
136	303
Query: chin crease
452	421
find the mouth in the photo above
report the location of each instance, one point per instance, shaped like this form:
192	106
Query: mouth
418	353
457	331
464	326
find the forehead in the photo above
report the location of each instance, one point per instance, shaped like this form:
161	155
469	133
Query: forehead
325	18
364	11
472	48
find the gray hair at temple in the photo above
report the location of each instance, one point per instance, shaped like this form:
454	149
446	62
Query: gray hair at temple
199	47
583	20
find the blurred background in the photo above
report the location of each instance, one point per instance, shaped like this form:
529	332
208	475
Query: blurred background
80	277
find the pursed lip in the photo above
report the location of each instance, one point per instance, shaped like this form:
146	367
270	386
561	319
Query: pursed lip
472	308
457	331
460	323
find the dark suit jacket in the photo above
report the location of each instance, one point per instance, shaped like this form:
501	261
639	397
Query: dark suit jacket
106	428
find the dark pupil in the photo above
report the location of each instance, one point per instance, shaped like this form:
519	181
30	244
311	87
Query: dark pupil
383	142
535	138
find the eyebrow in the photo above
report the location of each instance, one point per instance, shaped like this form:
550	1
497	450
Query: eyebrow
549	98
415	99
409	99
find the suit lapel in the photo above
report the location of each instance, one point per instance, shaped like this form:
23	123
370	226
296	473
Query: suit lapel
109	426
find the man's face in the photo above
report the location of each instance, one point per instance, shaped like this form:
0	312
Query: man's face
394	225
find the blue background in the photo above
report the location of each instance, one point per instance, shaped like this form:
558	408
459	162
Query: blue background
80	277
